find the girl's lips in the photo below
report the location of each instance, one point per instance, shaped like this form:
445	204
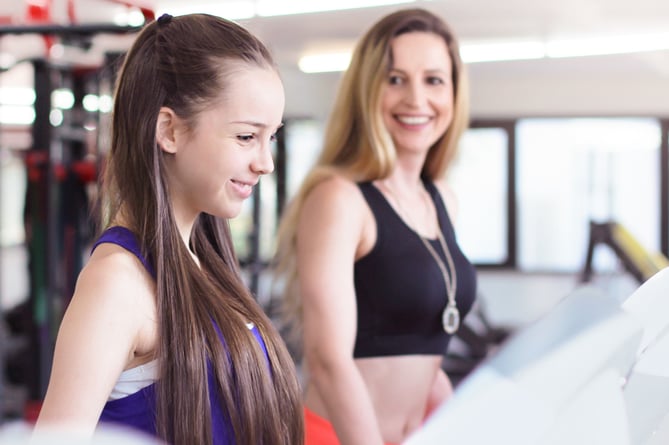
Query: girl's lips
243	189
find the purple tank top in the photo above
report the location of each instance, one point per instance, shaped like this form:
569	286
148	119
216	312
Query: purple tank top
138	410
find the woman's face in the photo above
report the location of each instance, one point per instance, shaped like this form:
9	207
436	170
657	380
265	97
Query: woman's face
417	97
222	157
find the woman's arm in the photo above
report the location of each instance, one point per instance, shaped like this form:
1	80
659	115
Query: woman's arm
96	340
329	233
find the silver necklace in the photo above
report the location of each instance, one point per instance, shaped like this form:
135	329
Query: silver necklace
450	318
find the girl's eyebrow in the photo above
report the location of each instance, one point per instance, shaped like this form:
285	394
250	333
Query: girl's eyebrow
256	124
252	123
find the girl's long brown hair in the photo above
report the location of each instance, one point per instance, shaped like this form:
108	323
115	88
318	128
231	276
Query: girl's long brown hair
357	144
182	64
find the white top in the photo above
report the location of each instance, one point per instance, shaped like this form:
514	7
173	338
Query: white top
134	379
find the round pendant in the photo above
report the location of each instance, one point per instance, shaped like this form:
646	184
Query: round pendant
451	319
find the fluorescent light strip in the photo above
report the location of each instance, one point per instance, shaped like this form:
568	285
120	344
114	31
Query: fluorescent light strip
517	50
22	96
324	63
245	9
17	115
269	8
499	51
131	17
231	10
620	44
564	48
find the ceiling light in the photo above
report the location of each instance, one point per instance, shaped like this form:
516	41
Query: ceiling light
498	51
105	103
16	115
325	62
62	98
268	8
129	17
17	96
91	103
7	60
57	51
244	9
231	10
56	117
617	44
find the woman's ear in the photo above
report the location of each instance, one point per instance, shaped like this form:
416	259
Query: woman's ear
166	130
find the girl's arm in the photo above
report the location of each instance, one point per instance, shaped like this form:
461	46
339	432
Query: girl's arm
96	340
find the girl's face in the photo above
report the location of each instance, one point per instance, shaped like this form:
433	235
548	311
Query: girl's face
417	97
219	160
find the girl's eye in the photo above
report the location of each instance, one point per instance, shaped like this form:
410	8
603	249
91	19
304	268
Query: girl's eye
435	80
245	137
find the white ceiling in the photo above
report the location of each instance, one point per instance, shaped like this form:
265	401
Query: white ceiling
473	20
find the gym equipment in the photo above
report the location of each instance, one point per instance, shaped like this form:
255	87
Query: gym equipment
638	261
474	341
555	381
61	165
646	390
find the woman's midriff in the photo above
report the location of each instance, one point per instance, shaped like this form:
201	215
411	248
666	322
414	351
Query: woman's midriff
399	387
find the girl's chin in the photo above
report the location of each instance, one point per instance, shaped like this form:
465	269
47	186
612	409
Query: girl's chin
232	212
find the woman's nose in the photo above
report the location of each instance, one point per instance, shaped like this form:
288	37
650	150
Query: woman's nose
415	93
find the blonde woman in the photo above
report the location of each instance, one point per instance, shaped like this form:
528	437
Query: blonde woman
367	250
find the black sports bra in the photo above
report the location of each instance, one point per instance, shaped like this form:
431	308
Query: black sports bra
400	290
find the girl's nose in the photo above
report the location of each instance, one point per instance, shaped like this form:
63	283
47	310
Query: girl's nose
263	163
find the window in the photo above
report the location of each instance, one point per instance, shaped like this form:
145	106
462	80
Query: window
572	171
479	178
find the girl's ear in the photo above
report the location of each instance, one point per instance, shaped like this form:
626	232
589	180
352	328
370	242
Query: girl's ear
166	130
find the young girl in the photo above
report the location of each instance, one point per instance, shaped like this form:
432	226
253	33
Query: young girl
161	333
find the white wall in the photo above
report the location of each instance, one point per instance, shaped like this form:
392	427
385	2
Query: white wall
616	85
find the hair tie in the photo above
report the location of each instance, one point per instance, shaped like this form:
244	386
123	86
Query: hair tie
164	19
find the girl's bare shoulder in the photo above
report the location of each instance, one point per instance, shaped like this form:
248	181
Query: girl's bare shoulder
115	273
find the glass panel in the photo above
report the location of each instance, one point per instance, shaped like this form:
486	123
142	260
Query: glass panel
242	226
304	142
478	178
13	187
268	222
571	171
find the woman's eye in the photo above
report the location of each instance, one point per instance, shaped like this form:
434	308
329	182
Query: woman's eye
245	137
272	137
394	80
435	80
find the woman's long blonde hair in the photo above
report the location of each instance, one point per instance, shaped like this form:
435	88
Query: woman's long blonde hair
357	144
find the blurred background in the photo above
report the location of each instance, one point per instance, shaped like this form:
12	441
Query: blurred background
562	179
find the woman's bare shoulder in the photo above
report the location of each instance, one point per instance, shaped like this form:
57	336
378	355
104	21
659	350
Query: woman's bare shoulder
335	192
